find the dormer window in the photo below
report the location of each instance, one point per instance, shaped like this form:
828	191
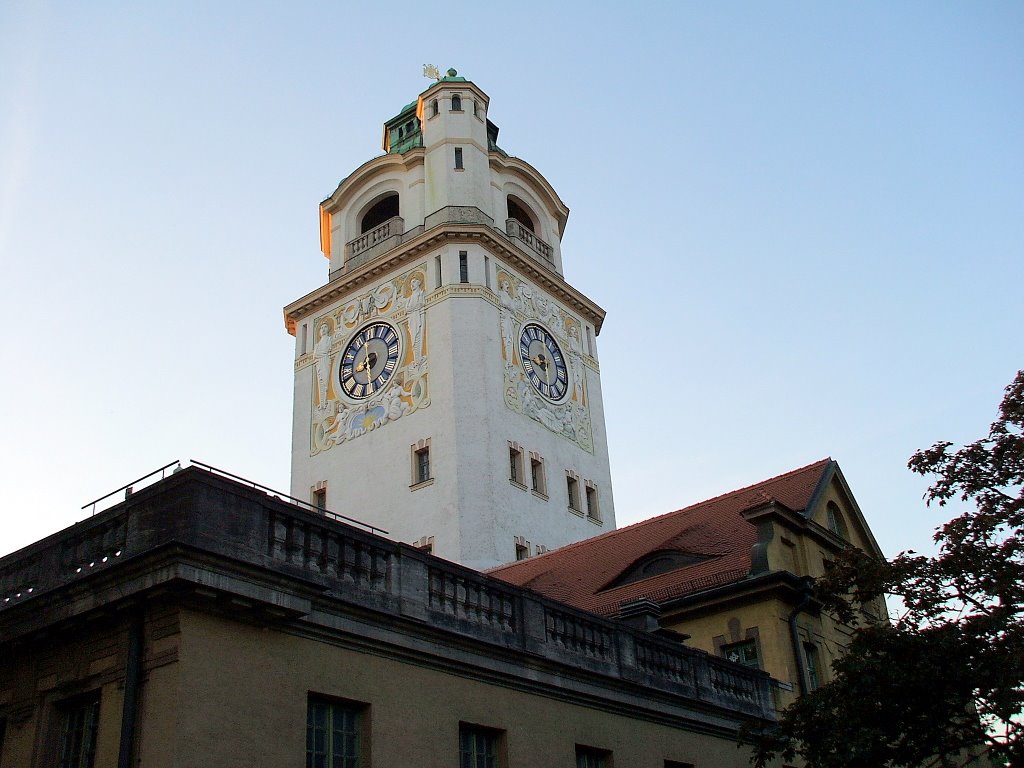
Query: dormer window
384	209
456	103
518	211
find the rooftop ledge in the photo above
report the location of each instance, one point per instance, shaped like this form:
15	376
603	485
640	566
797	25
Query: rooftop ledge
203	532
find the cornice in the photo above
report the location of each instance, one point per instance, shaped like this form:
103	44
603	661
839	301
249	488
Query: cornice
492	239
523	169
361	175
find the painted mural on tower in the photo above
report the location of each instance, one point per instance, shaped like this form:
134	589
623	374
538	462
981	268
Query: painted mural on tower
357	389
532	386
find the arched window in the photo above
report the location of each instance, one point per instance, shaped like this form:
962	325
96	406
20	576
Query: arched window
836	523
520	213
433	108
456	103
384	209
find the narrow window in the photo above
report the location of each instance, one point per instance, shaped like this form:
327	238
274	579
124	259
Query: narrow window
458	159
478	747
437	270
476	108
303	338
537	480
813	665
515	465
588	757
593	510
79	723
487	271
521	548
456	103
573	487
422	465
433	108
836	523
590	341
320	498
463	267
743	652
333	735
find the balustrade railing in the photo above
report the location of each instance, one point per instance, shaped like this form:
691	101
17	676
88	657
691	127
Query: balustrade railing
378	234
514	228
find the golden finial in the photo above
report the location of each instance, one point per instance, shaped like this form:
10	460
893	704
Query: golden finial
429	70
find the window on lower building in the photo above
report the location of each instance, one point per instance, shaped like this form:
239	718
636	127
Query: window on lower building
573	489
333	738
522	552
589	757
743	652
593	508
463	267
478	746
677	764
515	465
537	480
458	159
813	665
79	724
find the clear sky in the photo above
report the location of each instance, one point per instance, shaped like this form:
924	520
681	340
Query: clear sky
805	220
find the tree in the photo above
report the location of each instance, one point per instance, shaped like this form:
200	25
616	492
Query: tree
943	683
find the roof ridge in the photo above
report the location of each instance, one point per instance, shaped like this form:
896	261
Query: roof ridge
606	534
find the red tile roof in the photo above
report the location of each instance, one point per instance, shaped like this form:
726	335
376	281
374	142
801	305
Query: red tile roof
579	574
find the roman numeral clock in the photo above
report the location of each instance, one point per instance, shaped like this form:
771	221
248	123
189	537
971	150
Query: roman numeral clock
447	388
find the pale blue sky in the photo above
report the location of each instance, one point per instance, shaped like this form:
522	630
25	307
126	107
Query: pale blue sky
805	220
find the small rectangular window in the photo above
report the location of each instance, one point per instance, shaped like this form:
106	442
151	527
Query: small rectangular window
422	465
588	757
458	158
79	724
573	489
593	510
333	735
522	552
303	338
487	271
478	747
590	341
515	465
463	267
437	272
537	480
743	652
320	498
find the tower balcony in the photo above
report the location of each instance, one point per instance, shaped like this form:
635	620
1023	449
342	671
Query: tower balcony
392	233
515	229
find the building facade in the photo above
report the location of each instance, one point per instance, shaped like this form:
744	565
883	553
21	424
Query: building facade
447	388
203	622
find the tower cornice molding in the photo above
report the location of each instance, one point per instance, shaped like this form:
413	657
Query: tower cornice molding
490	238
519	167
357	180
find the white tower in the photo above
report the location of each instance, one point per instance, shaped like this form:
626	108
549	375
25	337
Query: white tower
446	379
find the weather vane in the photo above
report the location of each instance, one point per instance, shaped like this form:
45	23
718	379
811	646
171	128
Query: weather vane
431	71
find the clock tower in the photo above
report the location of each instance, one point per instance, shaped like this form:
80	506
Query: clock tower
447	388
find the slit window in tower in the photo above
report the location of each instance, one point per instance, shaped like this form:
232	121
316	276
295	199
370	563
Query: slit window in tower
458	159
463	267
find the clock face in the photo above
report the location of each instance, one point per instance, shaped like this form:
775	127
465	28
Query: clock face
369	361
543	362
